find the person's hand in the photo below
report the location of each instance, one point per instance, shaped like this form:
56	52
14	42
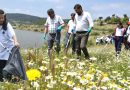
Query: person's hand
59	28
44	36
89	29
17	44
72	30
125	35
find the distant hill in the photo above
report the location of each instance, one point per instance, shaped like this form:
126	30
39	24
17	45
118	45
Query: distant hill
24	18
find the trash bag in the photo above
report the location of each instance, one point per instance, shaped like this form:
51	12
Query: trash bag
15	65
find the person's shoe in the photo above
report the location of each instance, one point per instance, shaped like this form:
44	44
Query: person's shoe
78	59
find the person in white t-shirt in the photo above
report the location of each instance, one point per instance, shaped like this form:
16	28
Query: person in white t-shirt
70	35
84	25
127	37
7	41
119	34
53	26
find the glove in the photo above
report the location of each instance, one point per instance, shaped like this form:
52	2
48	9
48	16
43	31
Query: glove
44	37
59	28
125	35
72	30
89	29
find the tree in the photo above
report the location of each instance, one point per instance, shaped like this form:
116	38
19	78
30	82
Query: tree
101	22
125	18
108	20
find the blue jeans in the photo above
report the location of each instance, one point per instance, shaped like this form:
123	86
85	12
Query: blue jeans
118	43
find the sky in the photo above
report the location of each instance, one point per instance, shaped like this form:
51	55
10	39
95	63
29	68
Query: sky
64	8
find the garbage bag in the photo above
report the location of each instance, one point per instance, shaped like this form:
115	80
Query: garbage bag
15	65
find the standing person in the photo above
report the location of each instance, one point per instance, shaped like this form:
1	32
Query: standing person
127	36
8	41
84	25
119	34
70	33
53	26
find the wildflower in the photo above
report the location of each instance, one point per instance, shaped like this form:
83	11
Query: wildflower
71	74
77	88
93	58
72	60
50	85
70	83
105	79
57	59
31	63
42	68
64	80
83	80
33	74
104	88
35	84
91	71
45	62
48	77
64	57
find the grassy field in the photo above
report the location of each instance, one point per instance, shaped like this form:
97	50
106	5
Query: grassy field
105	72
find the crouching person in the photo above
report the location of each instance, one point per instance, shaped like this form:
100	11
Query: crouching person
10	59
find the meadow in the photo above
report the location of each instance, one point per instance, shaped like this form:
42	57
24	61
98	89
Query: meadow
65	72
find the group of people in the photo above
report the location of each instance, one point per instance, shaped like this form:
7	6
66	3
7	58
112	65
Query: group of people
78	28
122	35
104	40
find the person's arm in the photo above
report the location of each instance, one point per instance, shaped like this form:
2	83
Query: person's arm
90	20
15	40
46	28
12	34
62	24
68	26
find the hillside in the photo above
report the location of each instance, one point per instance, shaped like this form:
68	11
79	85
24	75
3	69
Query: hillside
24	18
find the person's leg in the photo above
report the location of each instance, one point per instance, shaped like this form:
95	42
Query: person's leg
83	45
78	49
58	36
66	45
73	44
50	45
2	65
119	44
116	44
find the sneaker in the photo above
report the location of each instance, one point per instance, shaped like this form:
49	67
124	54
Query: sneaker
78	59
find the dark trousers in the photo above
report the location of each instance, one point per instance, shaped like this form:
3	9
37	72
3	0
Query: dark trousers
2	65
54	37
81	42
118	43
73	41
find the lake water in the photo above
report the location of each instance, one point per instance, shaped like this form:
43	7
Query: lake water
29	39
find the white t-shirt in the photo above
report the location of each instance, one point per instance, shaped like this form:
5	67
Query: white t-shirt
83	22
119	32
6	41
71	26
52	24
128	30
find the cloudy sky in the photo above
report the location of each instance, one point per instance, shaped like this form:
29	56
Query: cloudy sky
65	7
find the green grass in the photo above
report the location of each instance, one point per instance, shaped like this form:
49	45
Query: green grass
66	73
